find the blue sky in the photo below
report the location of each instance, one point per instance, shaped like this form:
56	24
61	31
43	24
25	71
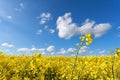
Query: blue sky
53	27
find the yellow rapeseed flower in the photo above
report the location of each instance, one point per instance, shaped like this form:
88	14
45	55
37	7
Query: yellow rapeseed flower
88	35
82	38
88	43
118	51
89	38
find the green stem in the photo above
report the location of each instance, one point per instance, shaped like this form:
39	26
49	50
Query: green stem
76	60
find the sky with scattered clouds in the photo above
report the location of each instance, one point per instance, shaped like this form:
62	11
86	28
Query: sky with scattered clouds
53	27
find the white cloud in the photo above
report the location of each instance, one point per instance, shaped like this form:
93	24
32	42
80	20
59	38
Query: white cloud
39	31
5	15
33	49
67	28
71	50
9	17
24	49
62	51
51	30
102	51
101	29
97	52
44	17
83	49
41	50
51	48
7	45
20	7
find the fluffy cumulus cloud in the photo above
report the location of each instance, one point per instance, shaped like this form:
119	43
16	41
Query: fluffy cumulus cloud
35	49
7	45
67	28
71	50
51	48
62	51
101	29
83	49
98	52
24	49
41	50
44	17
66	51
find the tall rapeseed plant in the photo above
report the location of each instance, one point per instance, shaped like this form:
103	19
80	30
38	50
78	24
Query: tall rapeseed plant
86	39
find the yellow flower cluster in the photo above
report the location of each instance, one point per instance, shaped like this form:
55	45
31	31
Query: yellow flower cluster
87	38
118	51
37	67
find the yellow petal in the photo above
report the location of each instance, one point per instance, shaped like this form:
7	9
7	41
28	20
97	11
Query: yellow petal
88	43
90	38
82	38
118	50
88	35
87	39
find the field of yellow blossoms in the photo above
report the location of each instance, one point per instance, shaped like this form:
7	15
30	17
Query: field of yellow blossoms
38	67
